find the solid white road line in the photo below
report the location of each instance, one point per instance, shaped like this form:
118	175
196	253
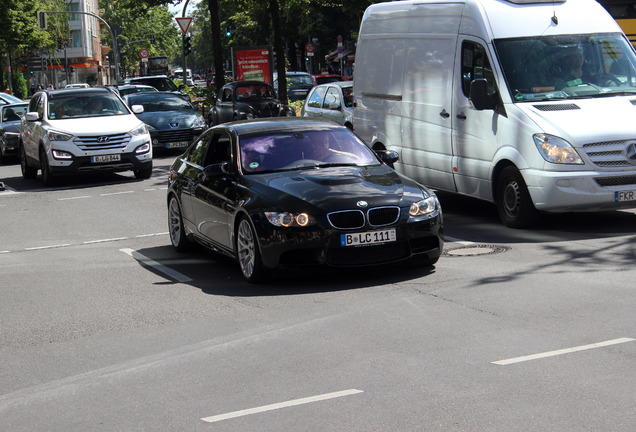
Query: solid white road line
47	247
116	193
74	198
105	240
562	351
276	406
154	264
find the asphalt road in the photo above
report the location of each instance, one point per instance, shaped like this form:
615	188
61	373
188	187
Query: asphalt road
104	327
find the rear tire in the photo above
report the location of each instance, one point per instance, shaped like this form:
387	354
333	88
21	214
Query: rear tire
28	172
514	205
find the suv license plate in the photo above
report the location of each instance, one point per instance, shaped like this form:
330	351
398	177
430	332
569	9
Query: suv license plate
178	144
368	238
621	196
106	158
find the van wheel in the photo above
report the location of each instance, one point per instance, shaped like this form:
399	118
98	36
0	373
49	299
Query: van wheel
514	204
27	171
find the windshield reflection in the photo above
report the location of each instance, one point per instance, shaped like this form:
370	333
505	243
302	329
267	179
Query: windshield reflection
570	66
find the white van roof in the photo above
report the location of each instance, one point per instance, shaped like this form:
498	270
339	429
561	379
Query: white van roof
491	19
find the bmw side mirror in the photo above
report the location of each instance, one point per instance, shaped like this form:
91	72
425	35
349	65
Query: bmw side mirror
389	157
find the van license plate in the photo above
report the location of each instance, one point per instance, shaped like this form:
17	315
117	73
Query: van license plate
621	196
178	144
368	238
106	158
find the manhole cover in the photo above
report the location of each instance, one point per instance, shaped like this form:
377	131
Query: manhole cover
474	250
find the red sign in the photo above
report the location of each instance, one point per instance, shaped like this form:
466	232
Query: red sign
144	53
252	64
184	23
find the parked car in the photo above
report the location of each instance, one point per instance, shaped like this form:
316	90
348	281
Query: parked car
9	99
127	89
238	100
10	115
333	101
298	85
77	85
73	131
325	78
172	122
161	83
298	192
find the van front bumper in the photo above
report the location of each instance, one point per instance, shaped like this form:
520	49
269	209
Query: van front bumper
581	190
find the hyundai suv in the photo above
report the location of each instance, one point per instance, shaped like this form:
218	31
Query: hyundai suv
74	131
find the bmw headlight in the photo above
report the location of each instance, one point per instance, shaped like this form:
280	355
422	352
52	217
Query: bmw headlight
140	130
427	206
556	150
286	219
59	136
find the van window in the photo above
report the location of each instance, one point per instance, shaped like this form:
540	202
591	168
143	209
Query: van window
475	65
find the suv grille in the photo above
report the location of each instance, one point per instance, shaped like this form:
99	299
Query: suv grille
102	142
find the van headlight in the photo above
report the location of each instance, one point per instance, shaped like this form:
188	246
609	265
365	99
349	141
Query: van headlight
556	150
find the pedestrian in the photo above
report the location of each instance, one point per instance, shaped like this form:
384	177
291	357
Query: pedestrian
49	87
7	91
32	90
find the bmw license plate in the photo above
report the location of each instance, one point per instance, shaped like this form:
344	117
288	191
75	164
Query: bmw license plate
621	196
368	238
106	158
178	144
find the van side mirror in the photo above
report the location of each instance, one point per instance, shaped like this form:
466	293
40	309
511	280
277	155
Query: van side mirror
479	95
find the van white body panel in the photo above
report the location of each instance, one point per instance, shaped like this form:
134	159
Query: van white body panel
411	93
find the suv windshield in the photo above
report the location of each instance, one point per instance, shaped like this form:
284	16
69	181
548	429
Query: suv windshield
76	105
570	66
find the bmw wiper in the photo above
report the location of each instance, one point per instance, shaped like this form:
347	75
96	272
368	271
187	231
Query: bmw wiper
327	165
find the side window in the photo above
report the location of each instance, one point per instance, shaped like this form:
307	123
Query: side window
332	100
197	153
227	95
220	149
40	106
33	104
315	100
475	65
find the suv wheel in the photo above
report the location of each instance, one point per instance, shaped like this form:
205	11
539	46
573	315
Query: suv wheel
27	171
47	176
144	173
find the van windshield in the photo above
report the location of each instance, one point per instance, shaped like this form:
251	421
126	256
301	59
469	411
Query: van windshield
567	66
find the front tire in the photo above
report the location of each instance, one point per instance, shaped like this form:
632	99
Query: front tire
248	253
514	205
28	172
143	173
47	176
175	226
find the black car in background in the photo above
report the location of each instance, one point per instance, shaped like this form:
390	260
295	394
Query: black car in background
240	100
299	192
10	116
161	83
171	121
298	85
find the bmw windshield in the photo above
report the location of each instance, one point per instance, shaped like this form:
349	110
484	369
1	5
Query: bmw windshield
567	66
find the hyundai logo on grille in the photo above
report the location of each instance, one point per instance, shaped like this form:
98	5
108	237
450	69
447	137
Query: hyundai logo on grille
362	204
630	151
103	139
174	125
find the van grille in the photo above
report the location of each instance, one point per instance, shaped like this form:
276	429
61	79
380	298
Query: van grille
102	142
616	181
614	154
557	107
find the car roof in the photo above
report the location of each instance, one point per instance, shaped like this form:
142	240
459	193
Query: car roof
279	124
92	91
343	84
10	98
14	105
245	83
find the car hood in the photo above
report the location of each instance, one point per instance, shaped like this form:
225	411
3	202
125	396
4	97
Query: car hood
12	126
96	125
163	120
337	188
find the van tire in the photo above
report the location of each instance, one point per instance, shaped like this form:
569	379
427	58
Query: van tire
514	205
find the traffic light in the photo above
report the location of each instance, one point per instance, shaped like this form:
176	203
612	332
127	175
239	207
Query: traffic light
43	64
120	45
228	31
187	46
152	39
71	69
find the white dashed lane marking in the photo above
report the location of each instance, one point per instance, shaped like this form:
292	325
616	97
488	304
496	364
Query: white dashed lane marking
157	266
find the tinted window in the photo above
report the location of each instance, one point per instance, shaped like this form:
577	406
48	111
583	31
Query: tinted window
475	65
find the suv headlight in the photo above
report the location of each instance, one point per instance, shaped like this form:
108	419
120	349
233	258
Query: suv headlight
140	130
556	150
59	136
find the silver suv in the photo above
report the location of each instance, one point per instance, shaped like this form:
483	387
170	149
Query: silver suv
71	131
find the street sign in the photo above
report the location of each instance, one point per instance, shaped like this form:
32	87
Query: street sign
310	48
184	23
144	53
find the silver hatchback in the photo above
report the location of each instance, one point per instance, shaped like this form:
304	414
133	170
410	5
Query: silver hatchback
332	101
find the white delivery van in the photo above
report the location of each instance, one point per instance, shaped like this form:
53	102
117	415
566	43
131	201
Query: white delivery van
525	103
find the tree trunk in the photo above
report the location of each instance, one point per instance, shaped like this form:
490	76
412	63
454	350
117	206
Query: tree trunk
279	47
217	48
